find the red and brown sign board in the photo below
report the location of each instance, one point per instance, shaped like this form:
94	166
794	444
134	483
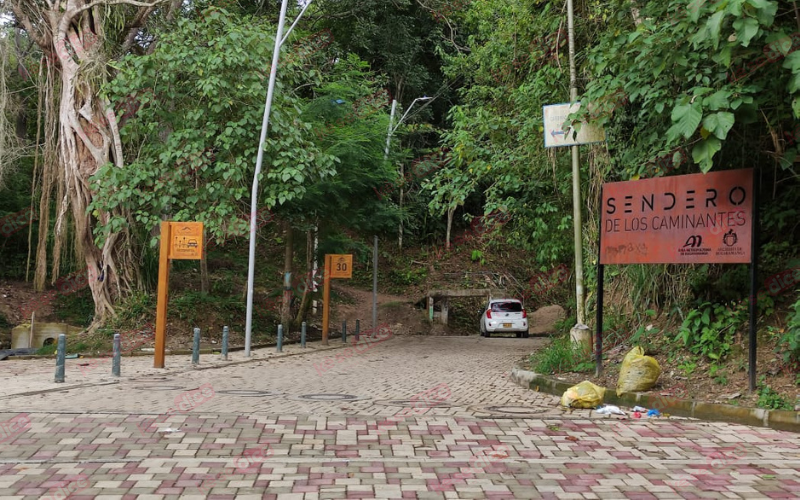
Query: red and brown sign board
686	219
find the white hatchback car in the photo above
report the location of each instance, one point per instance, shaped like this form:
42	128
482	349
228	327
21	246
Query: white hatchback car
504	316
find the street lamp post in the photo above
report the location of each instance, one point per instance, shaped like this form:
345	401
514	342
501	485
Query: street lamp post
280	38
392	129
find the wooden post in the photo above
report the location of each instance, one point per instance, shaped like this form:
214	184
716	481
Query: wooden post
326	299
161	305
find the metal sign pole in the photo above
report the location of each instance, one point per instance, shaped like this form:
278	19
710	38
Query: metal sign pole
254	195
326	298
753	286
375	285
601	271
576	175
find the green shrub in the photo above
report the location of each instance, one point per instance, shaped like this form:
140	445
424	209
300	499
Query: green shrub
709	329
771	399
789	344
408	277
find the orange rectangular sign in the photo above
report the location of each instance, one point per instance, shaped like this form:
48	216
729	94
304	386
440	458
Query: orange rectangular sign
685	219
341	266
186	240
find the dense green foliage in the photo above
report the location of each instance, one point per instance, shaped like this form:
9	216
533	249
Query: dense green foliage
191	113
680	86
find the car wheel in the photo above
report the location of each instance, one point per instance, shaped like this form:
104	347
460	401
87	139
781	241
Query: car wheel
526	335
487	335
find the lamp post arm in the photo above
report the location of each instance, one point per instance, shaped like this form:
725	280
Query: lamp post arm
289	31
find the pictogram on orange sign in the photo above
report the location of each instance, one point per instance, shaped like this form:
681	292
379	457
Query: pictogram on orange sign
685	219
186	240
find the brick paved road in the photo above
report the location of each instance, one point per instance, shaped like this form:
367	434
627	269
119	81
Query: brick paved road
318	426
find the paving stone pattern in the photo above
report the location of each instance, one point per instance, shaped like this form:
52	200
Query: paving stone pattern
260	436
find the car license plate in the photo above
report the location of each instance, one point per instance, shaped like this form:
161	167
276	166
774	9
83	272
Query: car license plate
506	325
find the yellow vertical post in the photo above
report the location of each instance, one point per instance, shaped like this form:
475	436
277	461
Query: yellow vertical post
326	298
163	286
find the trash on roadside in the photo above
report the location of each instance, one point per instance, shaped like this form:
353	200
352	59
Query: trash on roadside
653	413
71	356
610	410
639	408
637	414
169	430
583	395
638	372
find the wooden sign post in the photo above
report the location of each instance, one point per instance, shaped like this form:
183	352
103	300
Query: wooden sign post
179	241
336	266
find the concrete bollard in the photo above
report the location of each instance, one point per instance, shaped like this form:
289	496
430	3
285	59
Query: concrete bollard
61	358
196	347
344	331
303	335
358	329
115	362
225	343
581	337
280	338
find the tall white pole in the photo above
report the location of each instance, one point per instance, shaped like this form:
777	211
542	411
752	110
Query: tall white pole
254	195
389	134
386	157
576	175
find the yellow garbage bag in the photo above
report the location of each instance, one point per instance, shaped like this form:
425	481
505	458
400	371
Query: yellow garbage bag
583	395
638	372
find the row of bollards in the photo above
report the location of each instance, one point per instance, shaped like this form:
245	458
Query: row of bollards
61	351
357	332
279	345
61	357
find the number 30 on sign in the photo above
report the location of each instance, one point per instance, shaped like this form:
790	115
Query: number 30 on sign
341	266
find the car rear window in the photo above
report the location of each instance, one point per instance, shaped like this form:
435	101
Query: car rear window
507	307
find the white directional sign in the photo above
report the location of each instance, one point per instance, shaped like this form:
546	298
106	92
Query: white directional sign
555	136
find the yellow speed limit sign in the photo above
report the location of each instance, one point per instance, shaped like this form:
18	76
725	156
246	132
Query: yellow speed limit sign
341	266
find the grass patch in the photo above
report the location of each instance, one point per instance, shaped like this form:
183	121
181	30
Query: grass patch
561	356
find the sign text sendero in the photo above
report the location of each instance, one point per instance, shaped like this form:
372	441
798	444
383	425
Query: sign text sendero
698	218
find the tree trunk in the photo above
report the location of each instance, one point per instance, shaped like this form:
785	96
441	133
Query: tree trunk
400	229
288	254
88	138
49	175
204	260
305	303
450	212
204	269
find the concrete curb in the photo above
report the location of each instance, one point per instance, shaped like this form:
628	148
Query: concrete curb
775	419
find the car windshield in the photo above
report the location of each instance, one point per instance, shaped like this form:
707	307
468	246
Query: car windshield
507	307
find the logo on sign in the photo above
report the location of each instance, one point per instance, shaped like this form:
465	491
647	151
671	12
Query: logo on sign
694	241
730	238
693	246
